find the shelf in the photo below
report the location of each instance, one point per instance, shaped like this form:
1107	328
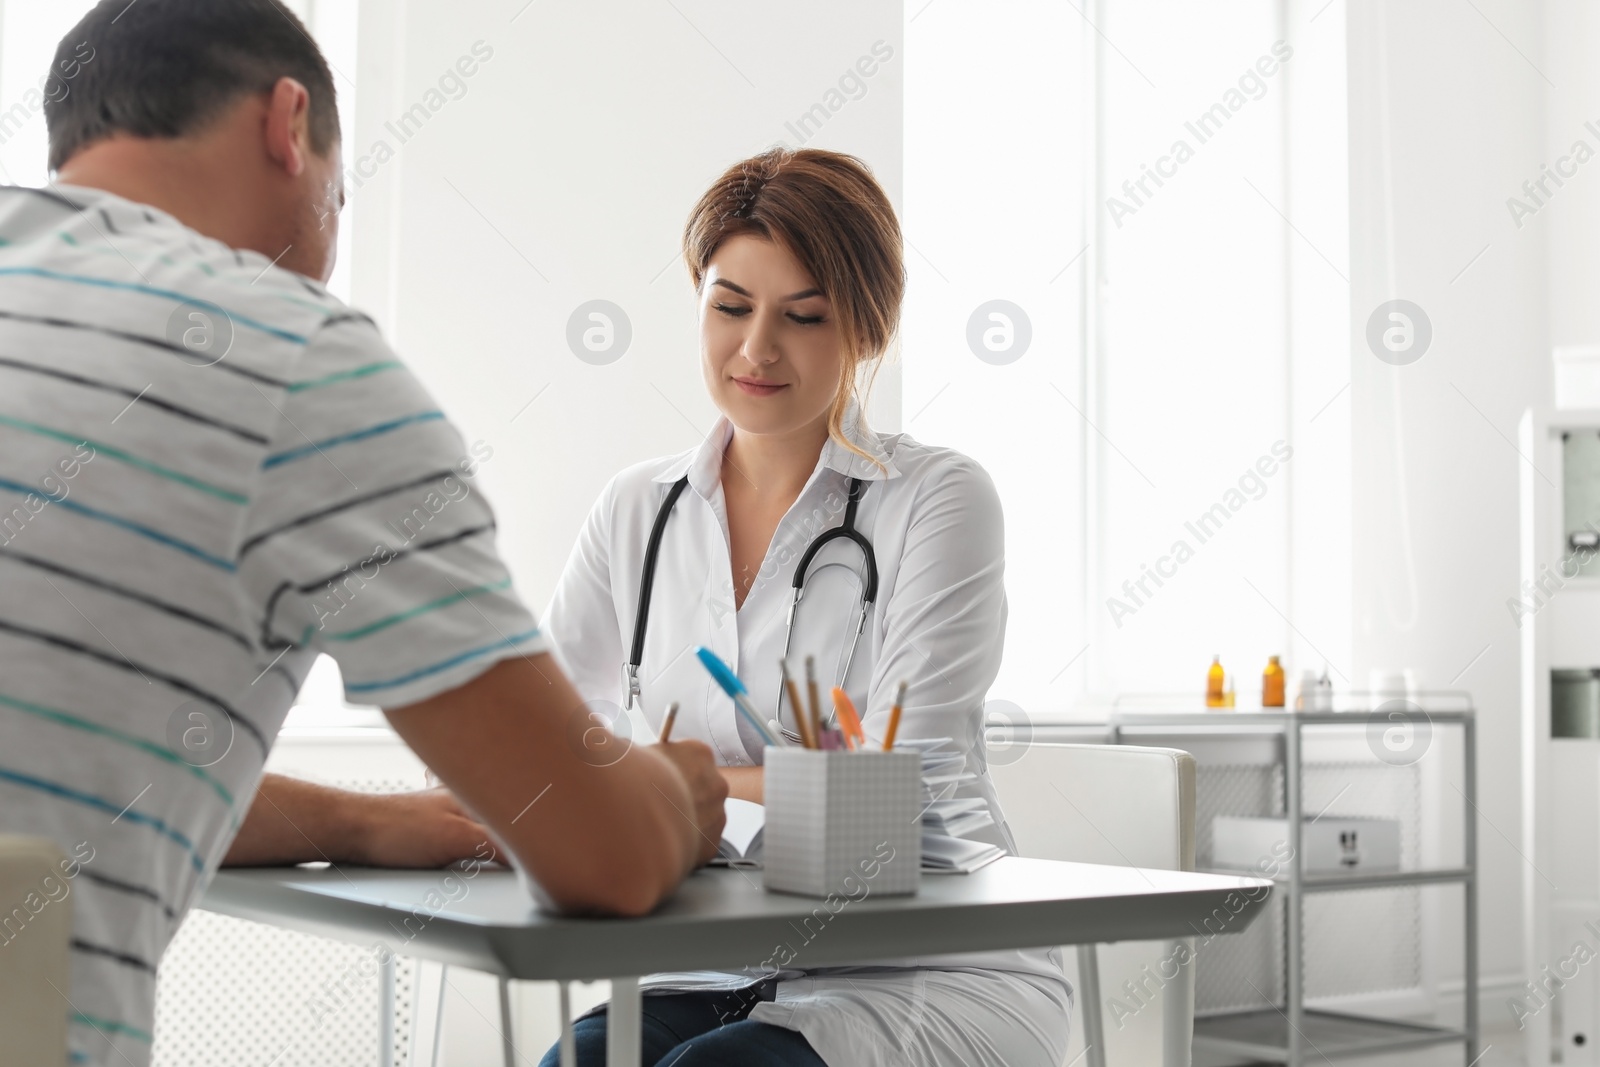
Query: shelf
1263	1034
1351	708
1313	883
1234	719
1268	772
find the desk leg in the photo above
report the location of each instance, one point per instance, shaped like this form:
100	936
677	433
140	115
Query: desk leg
438	1019
569	1043
623	1024
508	1047
386	984
1177	1007
1094	1031
427	1013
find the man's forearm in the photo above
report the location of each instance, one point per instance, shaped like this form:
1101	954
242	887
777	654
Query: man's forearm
598	831
291	822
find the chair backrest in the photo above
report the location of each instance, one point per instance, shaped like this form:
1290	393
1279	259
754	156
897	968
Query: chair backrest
1128	807
1113	804
35	932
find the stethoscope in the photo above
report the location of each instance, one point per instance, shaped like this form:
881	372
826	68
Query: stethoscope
847	530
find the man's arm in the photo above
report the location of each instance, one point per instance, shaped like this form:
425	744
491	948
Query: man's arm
598	831
292	821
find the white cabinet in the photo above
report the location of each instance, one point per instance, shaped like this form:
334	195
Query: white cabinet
1557	613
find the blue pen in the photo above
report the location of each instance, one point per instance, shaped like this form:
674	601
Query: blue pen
731	685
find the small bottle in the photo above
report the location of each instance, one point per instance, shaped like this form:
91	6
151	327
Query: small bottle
1214	680
1324	701
1231	697
1306	697
1272	684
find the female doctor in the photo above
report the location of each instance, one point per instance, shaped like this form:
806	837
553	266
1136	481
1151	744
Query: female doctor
796	260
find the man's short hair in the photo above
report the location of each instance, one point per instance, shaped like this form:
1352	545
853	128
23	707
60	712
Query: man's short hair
165	68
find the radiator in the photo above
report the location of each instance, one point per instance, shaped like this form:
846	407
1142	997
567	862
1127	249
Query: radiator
238	992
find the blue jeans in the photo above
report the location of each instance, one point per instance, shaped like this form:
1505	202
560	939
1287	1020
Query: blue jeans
714	1026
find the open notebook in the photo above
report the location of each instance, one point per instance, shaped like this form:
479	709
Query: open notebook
946	820
741	837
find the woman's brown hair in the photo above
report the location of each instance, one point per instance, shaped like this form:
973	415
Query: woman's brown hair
830	213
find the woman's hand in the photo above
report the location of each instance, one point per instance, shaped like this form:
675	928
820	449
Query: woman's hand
693	760
745	783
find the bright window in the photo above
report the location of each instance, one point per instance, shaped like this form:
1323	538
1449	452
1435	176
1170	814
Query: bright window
29	33
1138	442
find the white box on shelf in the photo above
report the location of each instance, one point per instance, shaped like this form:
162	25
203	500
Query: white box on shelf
1330	844
1577	374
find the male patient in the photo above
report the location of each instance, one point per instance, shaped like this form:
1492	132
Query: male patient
195	441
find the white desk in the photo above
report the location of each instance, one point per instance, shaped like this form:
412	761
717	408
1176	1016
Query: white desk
724	919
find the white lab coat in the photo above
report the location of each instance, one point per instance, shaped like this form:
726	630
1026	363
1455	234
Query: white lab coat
939	623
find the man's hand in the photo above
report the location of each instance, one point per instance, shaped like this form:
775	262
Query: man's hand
598	838
428	828
292	821
708	788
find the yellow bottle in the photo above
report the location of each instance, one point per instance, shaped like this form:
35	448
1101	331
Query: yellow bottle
1214	681
1272	684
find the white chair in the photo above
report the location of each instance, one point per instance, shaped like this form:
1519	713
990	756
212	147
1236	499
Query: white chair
35	932
1121	805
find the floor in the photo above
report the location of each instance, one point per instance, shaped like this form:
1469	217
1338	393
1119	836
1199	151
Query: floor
1498	1050
1501	1047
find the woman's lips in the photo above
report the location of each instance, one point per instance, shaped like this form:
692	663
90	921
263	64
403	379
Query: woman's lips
756	388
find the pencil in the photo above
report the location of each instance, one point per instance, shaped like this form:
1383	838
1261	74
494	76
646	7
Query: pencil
894	717
666	727
848	719
811	694
802	718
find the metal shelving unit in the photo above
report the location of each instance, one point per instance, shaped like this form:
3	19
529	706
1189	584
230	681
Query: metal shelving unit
1288	1032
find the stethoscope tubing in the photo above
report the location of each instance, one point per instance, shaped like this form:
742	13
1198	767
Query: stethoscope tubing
846	530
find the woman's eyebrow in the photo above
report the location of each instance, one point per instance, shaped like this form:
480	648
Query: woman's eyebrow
742	291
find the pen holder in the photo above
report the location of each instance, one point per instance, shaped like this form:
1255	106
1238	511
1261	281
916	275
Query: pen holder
845	823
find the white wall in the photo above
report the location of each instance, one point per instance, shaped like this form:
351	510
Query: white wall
1571	221
1447	110
489	226
995	211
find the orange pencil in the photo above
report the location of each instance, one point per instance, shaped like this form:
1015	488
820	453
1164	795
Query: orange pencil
894	717
848	719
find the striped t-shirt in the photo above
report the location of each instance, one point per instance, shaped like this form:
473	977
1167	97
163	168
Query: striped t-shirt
210	471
